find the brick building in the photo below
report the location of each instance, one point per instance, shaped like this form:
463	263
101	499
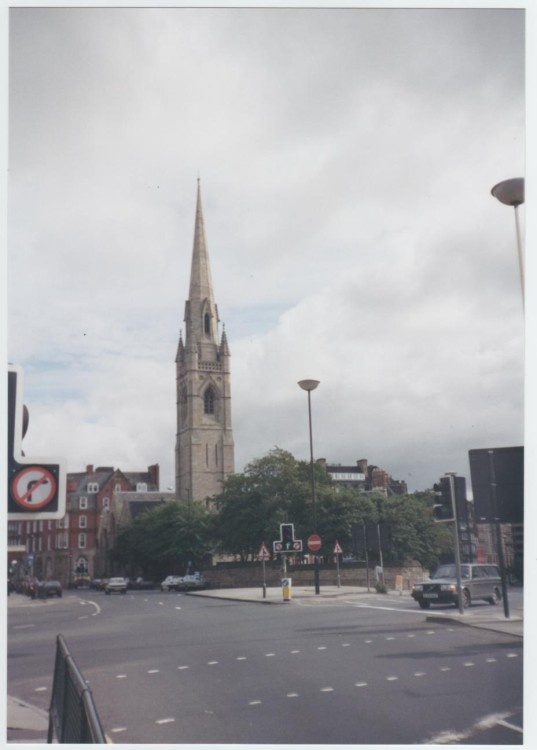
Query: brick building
67	549
366	477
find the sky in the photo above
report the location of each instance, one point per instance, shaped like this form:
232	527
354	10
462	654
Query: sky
346	159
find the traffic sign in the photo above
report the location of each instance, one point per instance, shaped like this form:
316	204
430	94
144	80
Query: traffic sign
314	542
36	487
337	548
263	553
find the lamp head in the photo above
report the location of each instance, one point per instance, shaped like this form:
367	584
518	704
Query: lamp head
510	192
308	385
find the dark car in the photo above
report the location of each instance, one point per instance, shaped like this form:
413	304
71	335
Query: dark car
478	581
49	588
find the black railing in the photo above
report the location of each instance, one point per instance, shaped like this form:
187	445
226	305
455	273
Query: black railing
72	717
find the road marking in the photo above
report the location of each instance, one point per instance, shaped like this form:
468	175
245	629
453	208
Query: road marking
153	671
445	669
411	635
327	690
368	641
292	695
392	678
389	609
468	664
22	627
241	658
40	689
272	654
83	617
115	730
296	651
360	684
390	638
430	632
211	663
165	721
420	674
512	656
321	648
344	645
183	667
491	660
254	703
178	608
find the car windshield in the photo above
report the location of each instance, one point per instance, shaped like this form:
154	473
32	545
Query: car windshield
450	571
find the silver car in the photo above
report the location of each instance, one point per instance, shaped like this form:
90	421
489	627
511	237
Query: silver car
478	581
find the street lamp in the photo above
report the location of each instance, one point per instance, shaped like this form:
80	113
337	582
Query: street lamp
309	386
511	193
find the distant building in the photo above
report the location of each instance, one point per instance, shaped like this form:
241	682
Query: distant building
367	478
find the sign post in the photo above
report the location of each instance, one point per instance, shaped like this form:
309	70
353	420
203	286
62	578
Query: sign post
337	552
35	486
264	555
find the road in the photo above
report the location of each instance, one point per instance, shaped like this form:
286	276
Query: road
170	668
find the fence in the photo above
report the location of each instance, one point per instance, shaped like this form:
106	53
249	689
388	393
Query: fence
73	717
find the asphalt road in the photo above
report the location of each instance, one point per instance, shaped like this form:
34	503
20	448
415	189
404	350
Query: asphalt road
170	668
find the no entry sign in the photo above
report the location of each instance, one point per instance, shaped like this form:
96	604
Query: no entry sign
314	542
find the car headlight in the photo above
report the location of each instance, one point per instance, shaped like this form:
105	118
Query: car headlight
448	587
417	587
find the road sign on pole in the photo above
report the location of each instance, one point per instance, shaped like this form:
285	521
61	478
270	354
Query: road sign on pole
263	553
35	486
314	542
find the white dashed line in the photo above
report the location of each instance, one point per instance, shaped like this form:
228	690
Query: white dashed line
420	674
390	638
344	645
254	703
178	608
165	721
468	664
411	635
368	641
512	656
327	690
40	689
153	671
211	663
270	654
241	658
121	676
292	695
296	651
510	726
491	660
445	669
115	730
392	678
321	648
183	667
360	684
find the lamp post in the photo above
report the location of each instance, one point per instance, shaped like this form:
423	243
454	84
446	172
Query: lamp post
309	386
511	193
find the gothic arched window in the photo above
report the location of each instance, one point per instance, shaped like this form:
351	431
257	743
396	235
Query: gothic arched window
208	401
207	323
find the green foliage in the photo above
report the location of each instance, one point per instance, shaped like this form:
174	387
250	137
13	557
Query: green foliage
381	588
165	539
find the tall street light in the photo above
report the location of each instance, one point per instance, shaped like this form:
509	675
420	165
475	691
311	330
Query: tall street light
309	386
511	193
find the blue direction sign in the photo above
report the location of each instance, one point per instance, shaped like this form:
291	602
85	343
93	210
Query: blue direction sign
35	486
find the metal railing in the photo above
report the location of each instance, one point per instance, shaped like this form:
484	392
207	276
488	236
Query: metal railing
73	717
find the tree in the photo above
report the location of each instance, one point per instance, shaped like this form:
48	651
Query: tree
165	539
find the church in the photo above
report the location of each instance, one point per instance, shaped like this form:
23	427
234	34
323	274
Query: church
204	449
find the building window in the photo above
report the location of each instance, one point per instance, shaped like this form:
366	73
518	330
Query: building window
141	487
82	522
106	503
117	488
66	541
208	401
83	503
93	487
207	323
82	541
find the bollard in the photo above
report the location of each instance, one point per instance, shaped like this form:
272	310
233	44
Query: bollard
286	589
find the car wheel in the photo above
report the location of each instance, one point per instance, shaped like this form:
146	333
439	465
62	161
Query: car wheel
495	598
424	605
466	599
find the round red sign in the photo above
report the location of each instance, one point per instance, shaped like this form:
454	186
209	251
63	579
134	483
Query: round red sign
314	542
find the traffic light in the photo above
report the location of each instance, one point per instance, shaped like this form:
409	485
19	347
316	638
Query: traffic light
443	507
288	536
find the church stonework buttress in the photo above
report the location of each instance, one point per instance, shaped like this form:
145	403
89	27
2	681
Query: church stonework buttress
204	451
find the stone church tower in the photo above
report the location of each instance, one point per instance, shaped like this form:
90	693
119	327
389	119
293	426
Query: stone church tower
204	452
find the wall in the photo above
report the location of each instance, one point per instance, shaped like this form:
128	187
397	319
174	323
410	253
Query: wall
235	575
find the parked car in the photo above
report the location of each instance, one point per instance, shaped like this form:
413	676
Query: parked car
478	582
49	588
98	583
116	586
171	583
193	581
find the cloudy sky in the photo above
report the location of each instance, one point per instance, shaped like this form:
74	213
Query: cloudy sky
346	159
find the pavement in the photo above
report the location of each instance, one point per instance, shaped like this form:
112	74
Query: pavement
28	724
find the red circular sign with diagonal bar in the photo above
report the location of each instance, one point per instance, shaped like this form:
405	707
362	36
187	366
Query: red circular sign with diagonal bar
314	542
34	487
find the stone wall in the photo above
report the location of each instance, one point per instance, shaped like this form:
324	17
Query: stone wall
235	575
